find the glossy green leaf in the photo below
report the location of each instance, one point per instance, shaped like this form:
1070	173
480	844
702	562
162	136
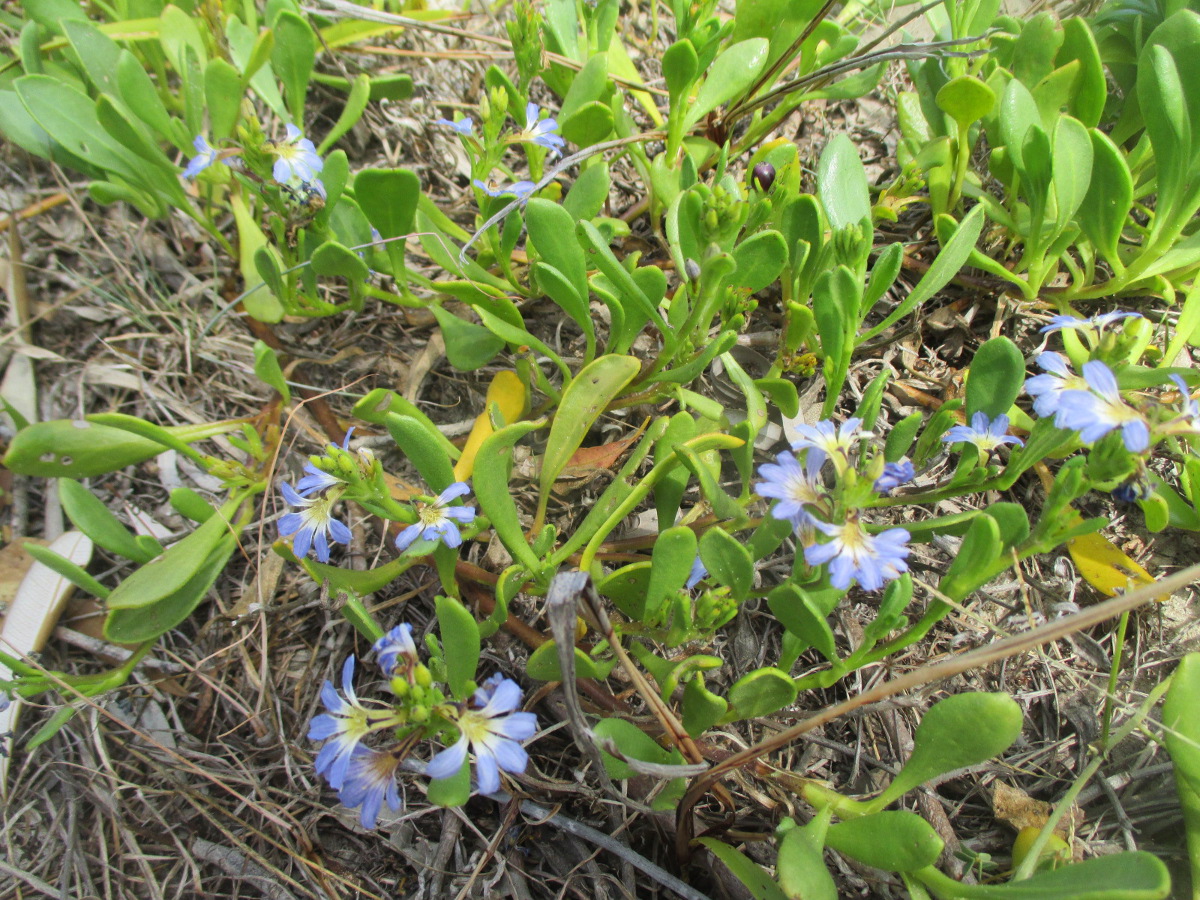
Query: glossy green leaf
728	561
842	184
96	54
69	117
223	95
760	258
679	67
1090	91
1118	876
135	623
375	406
460	644
632	743
980	548
966	99
493	464
357	581
586	197
452	791
1071	167
422	449
468	346
894	840
950	260
588	125
671	563
731	73
801	868
626	587
1161	96
543	664
266	367
1105	208
997	377
95	520
389	198
754	877
1181	734
75	449
797	612
292	59
961	730
69	570
362	89
141	96
631	295
702	709
170	571
1018	114
585	398
760	693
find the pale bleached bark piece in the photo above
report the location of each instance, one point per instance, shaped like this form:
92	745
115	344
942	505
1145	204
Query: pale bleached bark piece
32	616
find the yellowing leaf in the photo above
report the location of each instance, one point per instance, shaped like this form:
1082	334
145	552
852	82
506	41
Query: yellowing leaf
1105	567
507	393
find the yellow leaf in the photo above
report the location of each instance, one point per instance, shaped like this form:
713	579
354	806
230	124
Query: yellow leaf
507	394
1105	567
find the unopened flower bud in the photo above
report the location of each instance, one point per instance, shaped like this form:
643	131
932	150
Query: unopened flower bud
422	676
763	177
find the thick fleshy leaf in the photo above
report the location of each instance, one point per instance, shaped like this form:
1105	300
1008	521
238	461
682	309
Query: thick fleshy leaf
760	693
95	520
961	730
894	840
842	184
460	645
997	377
729	75
585	398
493	465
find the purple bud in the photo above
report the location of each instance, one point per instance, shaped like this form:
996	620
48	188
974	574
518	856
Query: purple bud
763	176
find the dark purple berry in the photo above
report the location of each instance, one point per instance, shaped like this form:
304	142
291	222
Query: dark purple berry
763	176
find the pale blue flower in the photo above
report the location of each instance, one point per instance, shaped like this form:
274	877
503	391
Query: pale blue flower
463	126
1096	412
698	573
494	731
795	487
872	559
296	158
986	434
205	156
894	475
829	438
540	131
395	644
520	189
345	724
313	526
370	779
1048	389
438	520
1095	323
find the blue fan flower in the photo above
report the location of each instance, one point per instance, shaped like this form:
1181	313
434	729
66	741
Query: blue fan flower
439	520
986	434
872	559
313	526
493	731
